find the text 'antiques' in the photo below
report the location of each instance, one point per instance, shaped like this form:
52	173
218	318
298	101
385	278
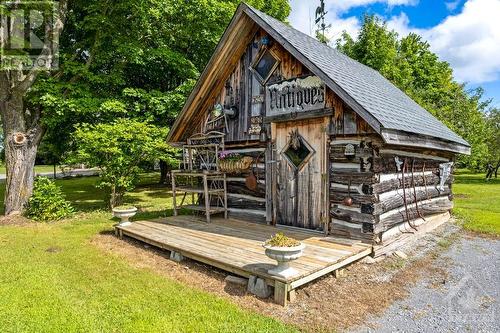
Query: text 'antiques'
294	96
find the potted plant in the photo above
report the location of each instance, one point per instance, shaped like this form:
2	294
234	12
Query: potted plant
283	249
124	213
234	162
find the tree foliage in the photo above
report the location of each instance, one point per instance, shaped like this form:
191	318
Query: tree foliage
409	63
493	122
117	149
137	59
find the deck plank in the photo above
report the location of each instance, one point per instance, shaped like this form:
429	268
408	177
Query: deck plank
236	246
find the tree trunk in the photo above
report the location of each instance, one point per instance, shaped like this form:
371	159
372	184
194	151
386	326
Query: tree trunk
22	127
496	169
164	172
20	162
21	144
116	197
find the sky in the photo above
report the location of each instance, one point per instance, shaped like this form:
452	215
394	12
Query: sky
465	33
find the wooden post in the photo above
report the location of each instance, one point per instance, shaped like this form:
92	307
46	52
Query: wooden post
269	182
173	193
280	293
207	198
225	197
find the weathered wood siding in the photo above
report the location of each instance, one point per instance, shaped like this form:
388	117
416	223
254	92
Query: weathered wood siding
315	199
300	193
244	90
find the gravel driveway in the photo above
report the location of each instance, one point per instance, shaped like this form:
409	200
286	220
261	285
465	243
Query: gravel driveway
467	300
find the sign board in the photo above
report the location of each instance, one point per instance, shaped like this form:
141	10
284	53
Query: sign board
295	96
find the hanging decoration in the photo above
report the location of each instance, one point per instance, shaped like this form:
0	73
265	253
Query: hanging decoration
349	150
398	162
255	125
444	173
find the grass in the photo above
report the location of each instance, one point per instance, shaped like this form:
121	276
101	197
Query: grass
38	168
54	280
477	202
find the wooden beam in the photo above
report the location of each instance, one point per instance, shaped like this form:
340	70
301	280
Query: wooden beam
281	293
299	115
414	140
331	268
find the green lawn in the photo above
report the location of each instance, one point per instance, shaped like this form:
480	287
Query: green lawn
54	280
38	168
477	202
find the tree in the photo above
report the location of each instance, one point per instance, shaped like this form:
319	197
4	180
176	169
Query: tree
143	72
494	141
21	124
411	65
117	150
159	46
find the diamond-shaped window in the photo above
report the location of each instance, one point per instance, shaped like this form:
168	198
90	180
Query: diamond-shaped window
298	151
265	65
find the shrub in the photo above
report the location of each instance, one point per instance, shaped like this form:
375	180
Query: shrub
47	203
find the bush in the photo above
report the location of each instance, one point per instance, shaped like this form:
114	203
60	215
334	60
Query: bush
47	203
118	150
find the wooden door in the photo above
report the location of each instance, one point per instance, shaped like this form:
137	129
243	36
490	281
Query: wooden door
300	181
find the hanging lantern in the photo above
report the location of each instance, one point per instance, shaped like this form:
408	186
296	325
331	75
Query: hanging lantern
263	136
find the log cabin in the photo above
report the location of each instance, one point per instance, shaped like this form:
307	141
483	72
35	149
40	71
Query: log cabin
284	133
336	147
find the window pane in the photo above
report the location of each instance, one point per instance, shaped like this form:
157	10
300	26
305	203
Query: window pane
297	155
265	65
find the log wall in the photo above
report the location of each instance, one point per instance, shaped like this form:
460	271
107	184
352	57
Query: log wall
383	197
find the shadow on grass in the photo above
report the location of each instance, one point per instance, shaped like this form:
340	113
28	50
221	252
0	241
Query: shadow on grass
474	179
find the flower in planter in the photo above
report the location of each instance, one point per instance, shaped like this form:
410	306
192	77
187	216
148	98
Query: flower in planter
280	240
228	156
284	250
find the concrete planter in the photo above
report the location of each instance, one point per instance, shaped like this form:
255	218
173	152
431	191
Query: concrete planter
124	215
284	255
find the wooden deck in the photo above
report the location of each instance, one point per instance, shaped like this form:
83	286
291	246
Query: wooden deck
236	246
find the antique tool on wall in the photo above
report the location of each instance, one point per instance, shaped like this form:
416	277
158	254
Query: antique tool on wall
348	200
415	190
252	180
403	181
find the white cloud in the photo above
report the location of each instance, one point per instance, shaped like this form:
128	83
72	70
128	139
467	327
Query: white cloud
344	5
303	14
401	24
469	40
